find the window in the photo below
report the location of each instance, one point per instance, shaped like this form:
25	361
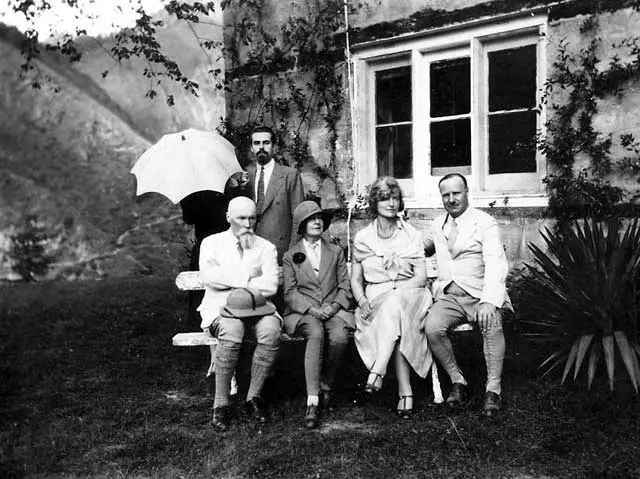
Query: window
393	122
511	115
450	116
466	101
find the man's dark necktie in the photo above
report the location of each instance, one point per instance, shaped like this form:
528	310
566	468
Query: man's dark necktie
260	194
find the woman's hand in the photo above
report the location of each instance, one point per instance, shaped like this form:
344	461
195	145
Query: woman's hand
319	313
365	307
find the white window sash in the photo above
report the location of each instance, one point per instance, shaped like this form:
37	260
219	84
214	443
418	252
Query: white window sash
474	42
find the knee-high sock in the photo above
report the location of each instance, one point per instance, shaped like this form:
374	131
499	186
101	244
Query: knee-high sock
263	358
494	349
443	351
225	360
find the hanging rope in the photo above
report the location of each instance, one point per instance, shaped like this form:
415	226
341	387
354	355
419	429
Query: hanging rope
352	109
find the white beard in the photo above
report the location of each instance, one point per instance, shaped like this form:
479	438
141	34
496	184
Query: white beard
247	240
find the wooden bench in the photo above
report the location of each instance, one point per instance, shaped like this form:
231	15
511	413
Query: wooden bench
190	281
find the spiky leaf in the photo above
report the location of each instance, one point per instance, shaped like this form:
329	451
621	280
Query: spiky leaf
583	284
585	341
607	347
550	359
636	366
627	353
594	356
571	359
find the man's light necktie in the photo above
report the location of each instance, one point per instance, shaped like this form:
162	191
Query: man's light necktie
260	194
453	234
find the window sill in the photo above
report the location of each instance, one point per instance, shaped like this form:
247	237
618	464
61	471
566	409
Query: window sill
486	200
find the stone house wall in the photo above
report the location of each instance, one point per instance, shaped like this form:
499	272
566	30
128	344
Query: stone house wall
380	19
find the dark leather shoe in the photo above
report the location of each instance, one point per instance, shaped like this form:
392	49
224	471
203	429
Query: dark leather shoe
458	396
492	404
221	417
312	417
374	383
326	400
405	407
256	410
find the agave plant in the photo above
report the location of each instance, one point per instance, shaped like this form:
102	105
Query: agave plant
582	297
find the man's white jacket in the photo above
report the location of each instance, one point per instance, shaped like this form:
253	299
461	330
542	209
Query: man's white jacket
223	269
476	262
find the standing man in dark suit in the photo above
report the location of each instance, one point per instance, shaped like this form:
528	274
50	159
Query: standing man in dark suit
276	190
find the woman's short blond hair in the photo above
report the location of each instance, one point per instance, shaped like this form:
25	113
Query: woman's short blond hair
380	190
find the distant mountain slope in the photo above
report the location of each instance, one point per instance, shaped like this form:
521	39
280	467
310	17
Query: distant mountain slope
66	151
80	81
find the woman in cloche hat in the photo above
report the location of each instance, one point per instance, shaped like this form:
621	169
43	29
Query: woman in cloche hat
317	296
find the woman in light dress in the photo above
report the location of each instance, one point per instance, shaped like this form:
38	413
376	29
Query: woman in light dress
388	281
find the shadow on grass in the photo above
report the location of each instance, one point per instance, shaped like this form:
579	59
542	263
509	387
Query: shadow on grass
91	387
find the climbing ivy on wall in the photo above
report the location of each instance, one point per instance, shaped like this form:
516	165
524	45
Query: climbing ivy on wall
582	79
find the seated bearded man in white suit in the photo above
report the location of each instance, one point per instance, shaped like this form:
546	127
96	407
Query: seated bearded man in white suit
472	270
237	258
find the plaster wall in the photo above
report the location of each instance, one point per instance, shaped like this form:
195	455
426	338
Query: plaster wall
519	226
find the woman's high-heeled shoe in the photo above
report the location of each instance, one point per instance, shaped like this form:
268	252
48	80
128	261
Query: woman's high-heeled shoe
405	407
374	383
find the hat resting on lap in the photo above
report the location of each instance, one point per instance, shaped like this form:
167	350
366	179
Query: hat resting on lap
246	303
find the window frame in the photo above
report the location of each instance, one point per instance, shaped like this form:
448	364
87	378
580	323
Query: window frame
374	67
474	40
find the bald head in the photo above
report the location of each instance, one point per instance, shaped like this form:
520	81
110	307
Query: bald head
240	203
241	215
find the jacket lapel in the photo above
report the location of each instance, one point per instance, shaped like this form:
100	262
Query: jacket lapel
233	245
440	225
305	266
275	182
251	169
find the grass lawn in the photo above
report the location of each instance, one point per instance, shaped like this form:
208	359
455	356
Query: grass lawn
91	387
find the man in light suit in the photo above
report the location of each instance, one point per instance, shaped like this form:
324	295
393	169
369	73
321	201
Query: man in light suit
317	296
276	189
233	259
472	270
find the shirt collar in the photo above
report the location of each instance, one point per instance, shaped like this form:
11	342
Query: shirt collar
268	168
308	244
463	218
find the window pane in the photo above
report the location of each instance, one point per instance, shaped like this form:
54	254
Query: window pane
512	144
393	95
450	87
451	143
395	153
512	78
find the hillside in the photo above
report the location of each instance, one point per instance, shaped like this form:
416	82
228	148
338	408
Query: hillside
67	148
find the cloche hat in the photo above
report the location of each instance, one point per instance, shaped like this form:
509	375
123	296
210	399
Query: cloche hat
306	210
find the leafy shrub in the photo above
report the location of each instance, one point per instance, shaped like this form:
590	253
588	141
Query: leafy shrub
28	250
581	297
